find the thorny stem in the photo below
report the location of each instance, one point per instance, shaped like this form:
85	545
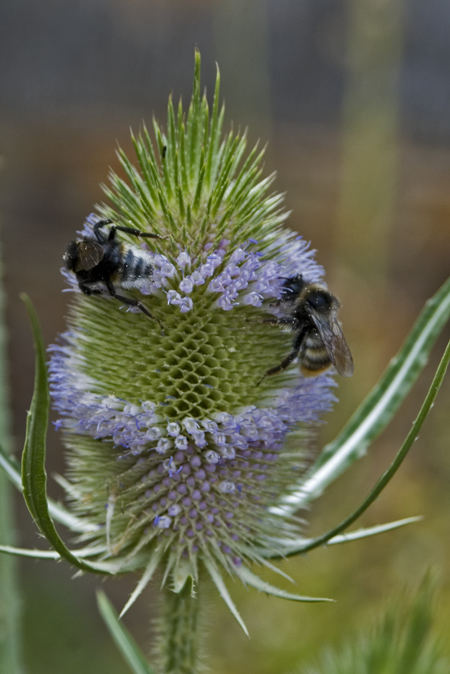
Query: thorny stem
179	632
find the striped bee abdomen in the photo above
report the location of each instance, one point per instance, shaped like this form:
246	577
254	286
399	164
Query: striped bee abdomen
136	266
313	357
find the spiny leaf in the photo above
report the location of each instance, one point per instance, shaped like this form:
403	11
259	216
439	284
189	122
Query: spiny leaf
56	510
251	579
298	546
49	554
123	639
34	477
395	465
144	581
221	587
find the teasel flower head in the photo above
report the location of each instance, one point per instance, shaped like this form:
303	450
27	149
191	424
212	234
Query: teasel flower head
179	448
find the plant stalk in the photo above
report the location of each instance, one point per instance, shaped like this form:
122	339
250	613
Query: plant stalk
178	625
10	632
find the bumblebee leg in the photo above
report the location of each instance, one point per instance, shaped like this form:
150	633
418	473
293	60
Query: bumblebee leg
289	358
97	227
283	365
114	228
131	302
133	231
87	290
274	320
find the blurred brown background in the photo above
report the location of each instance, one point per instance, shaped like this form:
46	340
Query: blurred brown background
354	100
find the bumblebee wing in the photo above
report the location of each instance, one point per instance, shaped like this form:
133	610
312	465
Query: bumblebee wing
89	254
330	331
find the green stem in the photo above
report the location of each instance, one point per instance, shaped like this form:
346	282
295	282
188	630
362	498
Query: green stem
179	632
10	659
10	640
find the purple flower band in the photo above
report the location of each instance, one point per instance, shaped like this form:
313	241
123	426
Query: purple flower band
246	277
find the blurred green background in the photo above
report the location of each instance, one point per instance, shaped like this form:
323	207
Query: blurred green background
353	98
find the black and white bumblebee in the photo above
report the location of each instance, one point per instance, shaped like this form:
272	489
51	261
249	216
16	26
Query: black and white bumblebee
101	262
310	310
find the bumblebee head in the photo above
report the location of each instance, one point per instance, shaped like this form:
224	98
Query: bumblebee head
292	287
